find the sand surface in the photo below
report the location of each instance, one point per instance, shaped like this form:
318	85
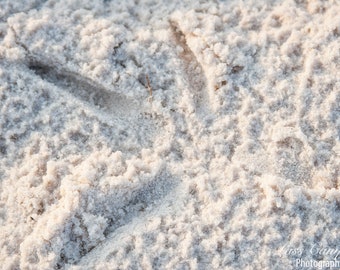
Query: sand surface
169	134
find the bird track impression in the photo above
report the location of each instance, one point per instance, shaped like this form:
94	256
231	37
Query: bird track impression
113	105
87	90
136	136
195	76
91	92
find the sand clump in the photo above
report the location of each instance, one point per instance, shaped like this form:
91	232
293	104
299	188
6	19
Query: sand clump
232	163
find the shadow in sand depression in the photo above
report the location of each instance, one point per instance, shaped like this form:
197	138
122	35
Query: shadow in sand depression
85	89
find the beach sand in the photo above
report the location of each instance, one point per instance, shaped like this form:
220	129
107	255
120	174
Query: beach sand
169	135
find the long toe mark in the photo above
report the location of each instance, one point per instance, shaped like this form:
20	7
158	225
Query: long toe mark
195	76
87	90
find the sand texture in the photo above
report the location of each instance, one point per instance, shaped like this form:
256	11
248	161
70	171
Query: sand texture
147	134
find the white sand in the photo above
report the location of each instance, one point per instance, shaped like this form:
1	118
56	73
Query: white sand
233	163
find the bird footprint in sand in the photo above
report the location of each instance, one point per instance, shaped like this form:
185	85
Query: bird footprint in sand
104	200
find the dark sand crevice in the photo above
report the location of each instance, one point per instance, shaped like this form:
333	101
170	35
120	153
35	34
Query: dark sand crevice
85	89
194	72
